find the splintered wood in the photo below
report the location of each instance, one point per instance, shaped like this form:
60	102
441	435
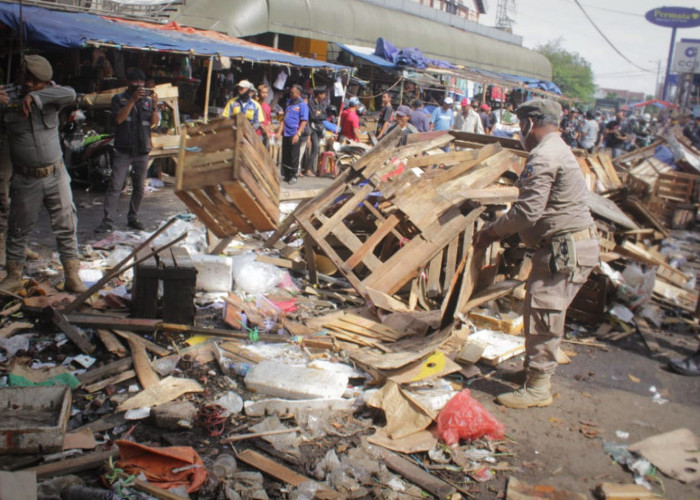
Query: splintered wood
227	178
397	214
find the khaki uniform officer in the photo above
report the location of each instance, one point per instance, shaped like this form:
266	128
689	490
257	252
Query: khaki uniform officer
550	215
39	176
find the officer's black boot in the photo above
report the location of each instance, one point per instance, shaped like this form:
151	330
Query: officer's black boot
689	366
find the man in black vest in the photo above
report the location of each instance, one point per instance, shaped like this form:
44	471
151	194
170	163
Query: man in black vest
134	113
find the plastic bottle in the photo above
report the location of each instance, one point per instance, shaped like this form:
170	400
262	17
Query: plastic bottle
239	368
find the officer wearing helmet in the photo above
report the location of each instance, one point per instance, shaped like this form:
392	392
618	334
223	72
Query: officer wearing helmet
551	216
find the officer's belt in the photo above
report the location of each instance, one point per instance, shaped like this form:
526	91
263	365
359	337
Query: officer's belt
35	172
589	233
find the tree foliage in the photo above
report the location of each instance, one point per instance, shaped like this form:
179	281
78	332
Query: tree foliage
570	71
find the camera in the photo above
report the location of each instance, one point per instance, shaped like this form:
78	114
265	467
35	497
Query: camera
149	92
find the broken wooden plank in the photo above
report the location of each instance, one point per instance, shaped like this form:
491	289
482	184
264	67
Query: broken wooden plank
72	465
105	371
116	379
113	323
415	474
111	343
270	467
142	365
150	346
607	209
495	291
73	333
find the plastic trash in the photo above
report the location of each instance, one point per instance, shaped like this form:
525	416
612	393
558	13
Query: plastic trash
465	418
224	466
232	402
638	285
254	277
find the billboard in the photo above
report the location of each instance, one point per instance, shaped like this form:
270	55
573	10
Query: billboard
686	57
674	17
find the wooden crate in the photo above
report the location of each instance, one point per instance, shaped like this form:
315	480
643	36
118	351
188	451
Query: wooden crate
591	300
174	269
684	215
227	178
676	186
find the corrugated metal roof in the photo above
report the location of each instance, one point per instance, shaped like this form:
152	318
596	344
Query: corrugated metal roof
361	23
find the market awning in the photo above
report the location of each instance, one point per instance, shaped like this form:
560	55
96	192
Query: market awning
368	55
360	23
75	30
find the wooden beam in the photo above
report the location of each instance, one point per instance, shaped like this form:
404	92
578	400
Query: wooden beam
72	465
105	371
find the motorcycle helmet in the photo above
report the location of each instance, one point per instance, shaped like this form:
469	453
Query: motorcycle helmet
361	109
646	117
332	110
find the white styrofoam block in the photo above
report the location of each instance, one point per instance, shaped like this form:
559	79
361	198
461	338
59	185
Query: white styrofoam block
295	382
214	272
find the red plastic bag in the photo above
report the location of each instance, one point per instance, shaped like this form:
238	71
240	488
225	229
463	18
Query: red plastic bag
463	417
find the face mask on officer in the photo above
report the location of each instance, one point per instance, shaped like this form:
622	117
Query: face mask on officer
525	129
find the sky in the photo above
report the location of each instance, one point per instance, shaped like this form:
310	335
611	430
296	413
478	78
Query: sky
622	22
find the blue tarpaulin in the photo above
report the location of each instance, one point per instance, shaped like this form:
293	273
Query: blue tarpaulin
411	56
74	30
368	56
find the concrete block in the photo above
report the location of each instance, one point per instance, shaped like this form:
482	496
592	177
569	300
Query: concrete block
174	415
295	382
214	273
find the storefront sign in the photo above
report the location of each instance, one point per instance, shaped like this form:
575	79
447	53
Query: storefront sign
674	17
686	57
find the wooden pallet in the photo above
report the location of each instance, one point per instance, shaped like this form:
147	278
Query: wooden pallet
227	178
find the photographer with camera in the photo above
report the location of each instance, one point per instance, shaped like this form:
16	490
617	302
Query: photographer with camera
134	112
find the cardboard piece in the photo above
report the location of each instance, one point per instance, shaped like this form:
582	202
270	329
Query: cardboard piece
404	415
434	366
675	453
168	389
417	442
82	439
13	482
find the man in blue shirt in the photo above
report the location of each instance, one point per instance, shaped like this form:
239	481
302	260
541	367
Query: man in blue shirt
296	116
419	118
443	117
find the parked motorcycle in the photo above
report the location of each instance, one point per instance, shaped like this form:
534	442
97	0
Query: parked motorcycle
88	155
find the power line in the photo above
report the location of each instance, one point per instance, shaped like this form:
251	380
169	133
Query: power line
607	40
615	11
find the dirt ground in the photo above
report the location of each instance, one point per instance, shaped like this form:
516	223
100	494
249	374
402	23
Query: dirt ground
607	388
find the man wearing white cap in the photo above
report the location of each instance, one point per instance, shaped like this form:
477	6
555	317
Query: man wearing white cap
443	117
245	104
39	175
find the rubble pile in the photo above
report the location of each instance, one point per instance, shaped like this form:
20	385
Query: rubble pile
328	357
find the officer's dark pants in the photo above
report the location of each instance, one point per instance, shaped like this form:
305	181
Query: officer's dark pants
27	195
5	176
120	167
548	297
312	156
290	157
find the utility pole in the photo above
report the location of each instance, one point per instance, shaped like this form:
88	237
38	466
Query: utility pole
658	74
